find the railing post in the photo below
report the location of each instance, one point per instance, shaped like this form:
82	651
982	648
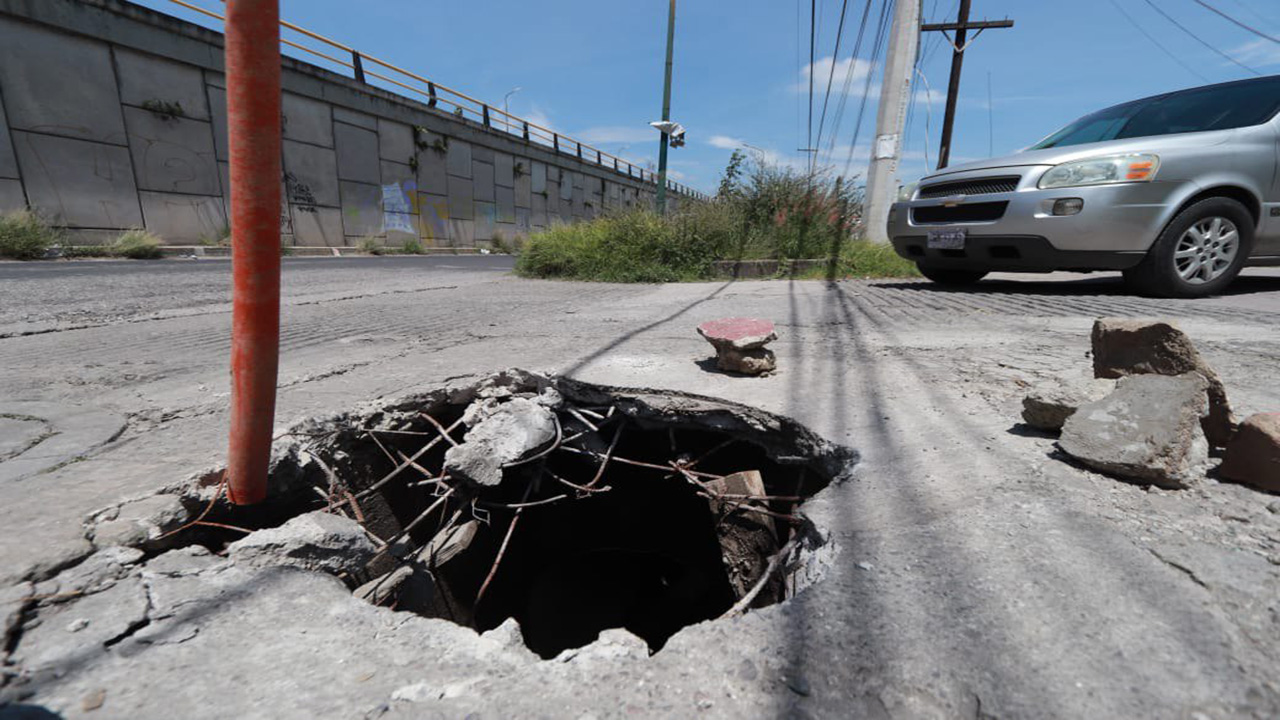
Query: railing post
486	115
579	150
431	91
526	130
555	141
598	160
615	164
357	65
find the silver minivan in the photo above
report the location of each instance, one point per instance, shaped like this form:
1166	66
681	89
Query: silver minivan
1179	191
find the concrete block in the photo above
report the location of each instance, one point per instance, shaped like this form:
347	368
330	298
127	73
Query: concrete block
311	175
552	194
433	218
59	84
216	79
506	231
486	220
361	209
218	116
318	226
524	185
480	153
79	183
172	154
538	178
148	78
432	176
506	202
553	173
539	211
351	117
524	222
504	170
458	159
400	174
398	198
183	219
461	199
579	180
399	228
306	120
566	186
395	141
462	233
357	154
482	177
8	161
579	197
11	196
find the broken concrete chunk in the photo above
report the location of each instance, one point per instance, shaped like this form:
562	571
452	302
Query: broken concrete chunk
13	601
74	633
1253	455
747	362
1135	347
1147	430
138	522
1048	407
405	588
315	541
99	571
504	435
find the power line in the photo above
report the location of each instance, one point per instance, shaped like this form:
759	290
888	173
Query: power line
838	119
1250	28
813	20
876	47
1197	38
835	58
1156	42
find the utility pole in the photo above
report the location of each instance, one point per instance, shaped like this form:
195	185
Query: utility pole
961	26
666	112
895	91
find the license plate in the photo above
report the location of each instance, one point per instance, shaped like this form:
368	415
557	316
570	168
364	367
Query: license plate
946	239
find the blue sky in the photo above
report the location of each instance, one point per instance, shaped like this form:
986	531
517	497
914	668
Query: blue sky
593	69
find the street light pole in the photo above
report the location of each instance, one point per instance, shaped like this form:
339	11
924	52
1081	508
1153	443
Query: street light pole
666	112
506	107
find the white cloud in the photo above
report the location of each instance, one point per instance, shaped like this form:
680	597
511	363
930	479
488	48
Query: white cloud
1257	52
932	97
851	69
618	134
724	142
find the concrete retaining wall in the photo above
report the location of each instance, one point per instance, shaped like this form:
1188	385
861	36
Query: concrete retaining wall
113	116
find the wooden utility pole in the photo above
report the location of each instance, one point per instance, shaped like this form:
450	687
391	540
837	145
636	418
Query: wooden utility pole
961	27
666	111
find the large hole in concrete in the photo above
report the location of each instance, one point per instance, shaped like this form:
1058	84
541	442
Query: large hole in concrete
694	514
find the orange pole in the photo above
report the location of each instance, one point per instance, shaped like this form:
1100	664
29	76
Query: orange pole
253	115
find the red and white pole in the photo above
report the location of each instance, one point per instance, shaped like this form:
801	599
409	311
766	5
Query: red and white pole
253	114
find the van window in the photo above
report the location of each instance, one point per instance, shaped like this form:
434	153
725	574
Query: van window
1219	107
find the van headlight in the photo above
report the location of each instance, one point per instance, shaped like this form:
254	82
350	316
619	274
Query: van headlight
906	192
1101	171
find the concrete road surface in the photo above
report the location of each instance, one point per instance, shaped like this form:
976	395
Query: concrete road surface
976	573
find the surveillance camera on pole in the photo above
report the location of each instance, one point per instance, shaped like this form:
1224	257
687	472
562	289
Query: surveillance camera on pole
673	130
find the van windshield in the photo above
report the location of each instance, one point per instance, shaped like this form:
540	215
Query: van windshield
1219	107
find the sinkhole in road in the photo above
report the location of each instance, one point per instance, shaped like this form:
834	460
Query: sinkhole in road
635	509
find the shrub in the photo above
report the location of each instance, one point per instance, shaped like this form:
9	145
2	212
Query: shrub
137	244
412	247
25	236
370	244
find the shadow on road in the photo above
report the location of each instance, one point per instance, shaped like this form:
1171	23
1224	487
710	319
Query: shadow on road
1108	284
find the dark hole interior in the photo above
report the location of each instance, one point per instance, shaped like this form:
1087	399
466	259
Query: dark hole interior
648	550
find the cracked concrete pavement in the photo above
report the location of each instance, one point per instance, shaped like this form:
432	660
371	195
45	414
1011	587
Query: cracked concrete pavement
976	574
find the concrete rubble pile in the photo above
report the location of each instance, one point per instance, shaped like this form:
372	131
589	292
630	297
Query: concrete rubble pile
1155	414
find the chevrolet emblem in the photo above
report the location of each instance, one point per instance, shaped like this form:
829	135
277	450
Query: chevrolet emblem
952	201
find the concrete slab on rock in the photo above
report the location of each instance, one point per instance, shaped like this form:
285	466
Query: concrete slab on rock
1048	407
1147	430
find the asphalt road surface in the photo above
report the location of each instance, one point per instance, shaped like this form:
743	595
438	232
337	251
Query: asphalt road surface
976	574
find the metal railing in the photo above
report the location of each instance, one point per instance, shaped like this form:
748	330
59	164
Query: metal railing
462	105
